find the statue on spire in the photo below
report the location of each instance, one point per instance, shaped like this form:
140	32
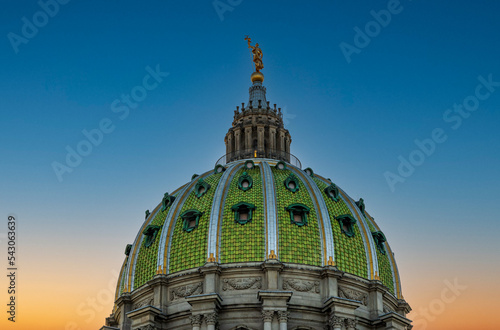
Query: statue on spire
257	55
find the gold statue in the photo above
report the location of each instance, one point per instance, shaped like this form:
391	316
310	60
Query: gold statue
257	55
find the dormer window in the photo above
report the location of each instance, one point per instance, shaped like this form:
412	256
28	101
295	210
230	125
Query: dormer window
292	183
201	188
219	169
332	191
361	205
167	201
249	164
245	182
150	234
298	214
379	239
191	219
347	223
309	172
281	165
243	212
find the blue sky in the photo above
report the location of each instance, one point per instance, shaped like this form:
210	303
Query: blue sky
349	121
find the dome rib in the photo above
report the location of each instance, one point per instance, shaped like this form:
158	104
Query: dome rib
217	211
135	250
370	244
394	266
163	259
270	211
324	222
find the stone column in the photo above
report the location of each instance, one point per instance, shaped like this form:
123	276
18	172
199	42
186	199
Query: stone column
229	142
267	317
336	322
272	138
248	138
283	319
281	141
351	324
260	140
237	143
195	321
211	320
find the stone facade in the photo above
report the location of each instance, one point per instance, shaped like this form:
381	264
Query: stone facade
260	296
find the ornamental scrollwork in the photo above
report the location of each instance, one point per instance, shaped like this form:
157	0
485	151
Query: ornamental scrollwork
301	285
242	283
353	295
142	303
186	290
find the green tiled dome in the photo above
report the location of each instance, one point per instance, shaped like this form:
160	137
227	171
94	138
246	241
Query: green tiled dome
249	212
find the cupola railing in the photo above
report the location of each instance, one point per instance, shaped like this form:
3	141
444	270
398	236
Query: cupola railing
254	153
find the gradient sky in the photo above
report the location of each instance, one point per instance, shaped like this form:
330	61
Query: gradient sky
349	121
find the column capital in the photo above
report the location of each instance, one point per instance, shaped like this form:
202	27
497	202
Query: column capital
283	316
351	324
267	315
336	321
195	320
211	318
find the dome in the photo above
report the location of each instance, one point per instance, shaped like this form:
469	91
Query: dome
257	242
258	209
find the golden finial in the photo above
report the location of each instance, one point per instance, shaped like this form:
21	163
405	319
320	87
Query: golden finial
257	55
376	276
211	258
159	271
272	255
125	288
331	262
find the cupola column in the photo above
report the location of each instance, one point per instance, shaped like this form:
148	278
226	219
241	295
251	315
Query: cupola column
237	142
272	138
248	138
260	141
229	142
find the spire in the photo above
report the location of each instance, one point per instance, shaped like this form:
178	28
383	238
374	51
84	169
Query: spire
257	131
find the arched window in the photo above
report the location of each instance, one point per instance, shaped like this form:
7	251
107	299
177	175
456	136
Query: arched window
346	222
298	214
191	218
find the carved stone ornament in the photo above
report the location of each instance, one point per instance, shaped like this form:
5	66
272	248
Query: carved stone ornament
242	283
142	303
387	309
301	285
147	327
186	290
267	316
210	319
195	320
353	295
336	322
283	316
351	324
